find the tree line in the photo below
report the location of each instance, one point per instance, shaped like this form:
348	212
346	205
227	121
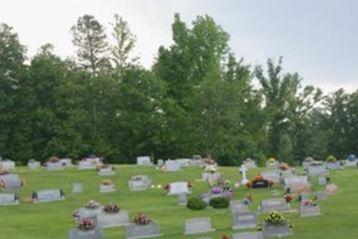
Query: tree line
197	98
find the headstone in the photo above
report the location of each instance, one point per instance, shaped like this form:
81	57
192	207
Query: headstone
238	206
269	230
333	165
8	199
7	164
210	177
243	170
198	225
322	180
274	204
307	162
77	187
287	173
160	163
134	231
139	183
11	181
248	235
107	188
309	211
144	161
249	163
48	195
89	213
182	199
316	170
66	162
246	220
257	184
331	189
183	162
272	165
107	220
273	176
32	164
84	164
296	184
172	166
52	166
107	171
178	188
96	233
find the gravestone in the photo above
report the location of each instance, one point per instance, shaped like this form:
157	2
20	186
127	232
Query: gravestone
7	164
172	166
160	163
52	166
246	220
296	184
182	199
248	235
144	161
89	213
249	163
107	188
269	230
48	195
107	171
107	220
11	181
257	184
333	165
210	177
96	233
287	173
272	165
322	180
66	162
307	162
273	176
32	164
139	183
85	164
306	196
309	211
316	170
8	199
183	162
178	188
77	187
150	230
198	225
274	204
238	206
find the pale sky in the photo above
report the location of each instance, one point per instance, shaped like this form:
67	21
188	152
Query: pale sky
317	38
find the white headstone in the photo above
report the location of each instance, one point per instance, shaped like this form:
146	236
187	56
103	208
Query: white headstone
178	188
198	225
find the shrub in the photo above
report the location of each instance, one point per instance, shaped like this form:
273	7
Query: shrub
331	159
219	202
196	204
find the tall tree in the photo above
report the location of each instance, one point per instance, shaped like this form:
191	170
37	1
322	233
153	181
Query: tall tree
124	43
91	42
12	69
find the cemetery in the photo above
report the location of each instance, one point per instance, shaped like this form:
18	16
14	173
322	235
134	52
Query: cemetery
248	211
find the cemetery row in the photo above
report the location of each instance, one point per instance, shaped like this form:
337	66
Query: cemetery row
93	217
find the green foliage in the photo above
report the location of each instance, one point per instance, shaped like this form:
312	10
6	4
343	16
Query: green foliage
331	159
219	202
196	204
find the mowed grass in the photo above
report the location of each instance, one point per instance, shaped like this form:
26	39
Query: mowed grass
53	220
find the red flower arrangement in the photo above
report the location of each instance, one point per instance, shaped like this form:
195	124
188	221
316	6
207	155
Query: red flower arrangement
142	219
258	178
225	237
111	208
167	187
309	203
288	198
86	225
190	185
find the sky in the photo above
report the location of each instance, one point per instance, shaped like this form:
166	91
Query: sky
316	38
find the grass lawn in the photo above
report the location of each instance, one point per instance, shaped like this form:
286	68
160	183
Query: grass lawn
53	220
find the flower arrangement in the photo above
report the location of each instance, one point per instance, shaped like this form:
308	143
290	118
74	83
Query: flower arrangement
106	182
272	160
104	166
309	203
92	205
2	184
111	208
275	218
167	187
225	237
284	166
216	190
4	172
137	178
86	225
190	185
248	198
250	184
141	219
331	159
54	159
288	197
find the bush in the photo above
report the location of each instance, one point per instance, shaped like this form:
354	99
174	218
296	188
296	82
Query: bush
331	159
196	204
219	202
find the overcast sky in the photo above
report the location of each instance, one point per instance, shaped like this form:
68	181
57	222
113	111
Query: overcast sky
317	38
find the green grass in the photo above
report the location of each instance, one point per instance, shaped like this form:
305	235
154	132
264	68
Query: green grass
53	220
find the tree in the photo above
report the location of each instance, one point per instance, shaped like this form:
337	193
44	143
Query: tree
91	42
124	43
12	70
